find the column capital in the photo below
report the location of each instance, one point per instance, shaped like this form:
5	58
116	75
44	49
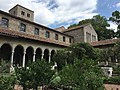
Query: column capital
13	51
24	52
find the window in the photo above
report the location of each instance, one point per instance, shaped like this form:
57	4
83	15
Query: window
88	37
5	22
28	15
47	34
56	36
22	13
63	39
22	27
36	31
70	40
13	12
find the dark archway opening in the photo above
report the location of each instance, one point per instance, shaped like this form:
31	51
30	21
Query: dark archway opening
5	52
52	55
46	55
18	55
29	56
38	54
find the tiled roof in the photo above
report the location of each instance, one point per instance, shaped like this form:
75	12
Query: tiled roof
105	42
32	37
76	27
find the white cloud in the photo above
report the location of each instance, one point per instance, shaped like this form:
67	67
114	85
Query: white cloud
118	4
55	11
112	26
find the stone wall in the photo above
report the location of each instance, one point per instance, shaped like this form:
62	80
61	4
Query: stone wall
111	87
14	25
78	35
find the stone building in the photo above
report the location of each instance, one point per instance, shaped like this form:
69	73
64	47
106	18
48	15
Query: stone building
22	40
83	33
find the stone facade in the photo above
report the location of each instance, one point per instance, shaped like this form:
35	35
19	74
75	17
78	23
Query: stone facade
112	87
22	12
83	33
22	40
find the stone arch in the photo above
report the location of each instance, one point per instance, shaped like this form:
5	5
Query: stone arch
52	54
46	55
18	55
29	55
38	54
5	52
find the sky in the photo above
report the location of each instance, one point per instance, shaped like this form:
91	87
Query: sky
56	13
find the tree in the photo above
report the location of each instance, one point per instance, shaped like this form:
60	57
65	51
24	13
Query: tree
116	19
7	79
82	75
60	58
100	25
82	50
38	74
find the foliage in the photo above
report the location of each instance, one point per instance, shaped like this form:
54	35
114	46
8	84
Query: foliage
113	80
4	67
37	74
60	58
82	50
7	79
111	54
100	25
116	19
82	75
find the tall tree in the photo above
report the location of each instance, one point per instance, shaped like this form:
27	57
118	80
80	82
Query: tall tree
116	19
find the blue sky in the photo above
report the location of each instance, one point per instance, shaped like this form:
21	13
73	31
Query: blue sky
106	7
56	13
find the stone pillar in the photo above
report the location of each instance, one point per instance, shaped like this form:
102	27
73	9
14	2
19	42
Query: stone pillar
24	59
49	58
42	56
12	57
11	66
34	57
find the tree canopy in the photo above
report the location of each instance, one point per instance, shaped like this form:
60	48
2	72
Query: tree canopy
116	19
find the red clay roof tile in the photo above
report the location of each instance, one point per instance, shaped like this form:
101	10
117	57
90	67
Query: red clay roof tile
105	42
32	37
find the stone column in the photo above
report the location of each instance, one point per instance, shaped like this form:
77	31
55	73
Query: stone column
12	57
42	56
49	58
34	57
11	66
24	59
